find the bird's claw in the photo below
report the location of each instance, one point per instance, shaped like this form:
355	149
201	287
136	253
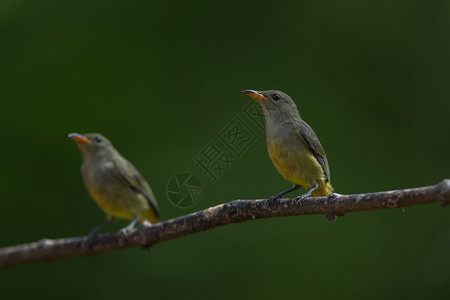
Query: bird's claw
300	198
129	228
91	240
272	200
126	230
92	235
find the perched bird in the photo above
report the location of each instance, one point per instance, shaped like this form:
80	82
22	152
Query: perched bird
293	146
114	183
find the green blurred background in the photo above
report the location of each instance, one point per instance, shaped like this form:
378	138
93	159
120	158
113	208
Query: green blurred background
162	78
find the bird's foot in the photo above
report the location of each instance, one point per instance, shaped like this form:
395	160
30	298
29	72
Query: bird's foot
272	200
90	241
130	227
93	235
126	230
300	198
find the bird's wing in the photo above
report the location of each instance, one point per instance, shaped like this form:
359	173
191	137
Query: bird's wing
131	177
310	138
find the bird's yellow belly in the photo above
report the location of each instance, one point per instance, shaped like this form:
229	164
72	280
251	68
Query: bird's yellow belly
296	163
121	203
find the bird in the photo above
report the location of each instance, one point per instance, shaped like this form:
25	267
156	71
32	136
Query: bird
293	146
114	183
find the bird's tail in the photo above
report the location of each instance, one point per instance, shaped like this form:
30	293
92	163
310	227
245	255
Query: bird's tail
149	215
324	189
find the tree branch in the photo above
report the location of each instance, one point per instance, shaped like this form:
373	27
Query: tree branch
232	212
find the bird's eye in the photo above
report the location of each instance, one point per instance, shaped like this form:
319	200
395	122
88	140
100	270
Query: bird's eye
276	97
98	139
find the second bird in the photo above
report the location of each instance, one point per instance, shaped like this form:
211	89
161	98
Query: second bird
293	146
114	183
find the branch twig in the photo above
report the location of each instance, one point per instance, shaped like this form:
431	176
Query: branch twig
232	212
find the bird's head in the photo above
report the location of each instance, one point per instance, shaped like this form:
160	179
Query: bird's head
275	104
92	144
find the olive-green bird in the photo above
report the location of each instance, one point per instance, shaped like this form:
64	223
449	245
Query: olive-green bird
293	146
114	183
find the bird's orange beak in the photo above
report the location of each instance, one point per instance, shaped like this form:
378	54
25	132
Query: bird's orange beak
255	94
79	138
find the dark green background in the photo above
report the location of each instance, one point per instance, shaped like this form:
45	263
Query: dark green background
162	78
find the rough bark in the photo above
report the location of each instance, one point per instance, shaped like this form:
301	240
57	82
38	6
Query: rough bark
232	212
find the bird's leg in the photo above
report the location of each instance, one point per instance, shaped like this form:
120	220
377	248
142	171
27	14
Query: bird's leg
95	231
279	195
308	193
131	226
